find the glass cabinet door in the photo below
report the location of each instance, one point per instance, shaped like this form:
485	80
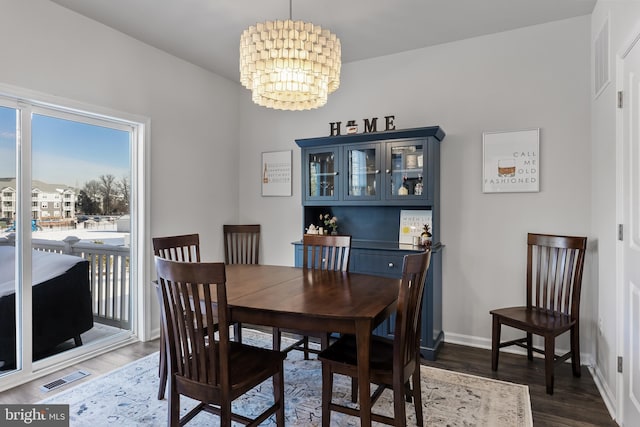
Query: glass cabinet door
405	170
363	172
322	174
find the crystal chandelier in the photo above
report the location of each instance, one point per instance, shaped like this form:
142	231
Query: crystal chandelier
289	65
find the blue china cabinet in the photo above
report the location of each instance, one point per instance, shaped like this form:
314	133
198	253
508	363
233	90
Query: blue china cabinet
366	180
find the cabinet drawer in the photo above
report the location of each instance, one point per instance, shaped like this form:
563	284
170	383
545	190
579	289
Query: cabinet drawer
377	263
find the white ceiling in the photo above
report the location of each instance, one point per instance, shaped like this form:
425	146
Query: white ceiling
207	32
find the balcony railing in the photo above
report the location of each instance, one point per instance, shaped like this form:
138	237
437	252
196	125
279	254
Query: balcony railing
109	276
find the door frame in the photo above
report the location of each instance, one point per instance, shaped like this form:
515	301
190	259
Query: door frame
632	41
143	299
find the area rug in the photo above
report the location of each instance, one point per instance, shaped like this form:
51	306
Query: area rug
127	397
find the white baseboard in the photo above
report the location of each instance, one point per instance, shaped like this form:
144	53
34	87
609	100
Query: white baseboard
607	395
485	343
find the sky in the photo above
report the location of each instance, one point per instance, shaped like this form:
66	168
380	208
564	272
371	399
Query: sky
64	151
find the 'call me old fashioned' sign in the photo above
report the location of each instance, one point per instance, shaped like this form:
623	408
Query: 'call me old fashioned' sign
511	161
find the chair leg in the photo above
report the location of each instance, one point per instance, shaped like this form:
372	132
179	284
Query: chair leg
324	341
327	392
575	350
276	336
237	332
354	390
278	395
417	395
305	346
549	356
399	413
173	419
529	346
495	343
162	367
225	411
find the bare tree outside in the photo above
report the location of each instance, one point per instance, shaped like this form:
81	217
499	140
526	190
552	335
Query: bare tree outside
108	192
124	188
89	198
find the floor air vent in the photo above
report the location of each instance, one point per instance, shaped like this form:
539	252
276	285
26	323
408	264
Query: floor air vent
64	380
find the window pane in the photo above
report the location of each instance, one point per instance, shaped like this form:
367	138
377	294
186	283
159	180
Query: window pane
8	205
80	188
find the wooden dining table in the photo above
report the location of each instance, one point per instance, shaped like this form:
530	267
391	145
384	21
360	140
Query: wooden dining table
315	301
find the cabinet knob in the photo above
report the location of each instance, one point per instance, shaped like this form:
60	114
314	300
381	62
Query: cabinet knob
335	173
388	171
390	265
377	171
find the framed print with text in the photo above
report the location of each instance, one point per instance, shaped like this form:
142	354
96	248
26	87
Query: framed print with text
511	161
412	223
276	173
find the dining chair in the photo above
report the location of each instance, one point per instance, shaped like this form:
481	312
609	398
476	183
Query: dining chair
393	361
186	248
326	252
241	246
203	365
554	279
321	253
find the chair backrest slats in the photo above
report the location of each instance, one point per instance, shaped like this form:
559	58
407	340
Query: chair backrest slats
193	295
326	252
185	248
241	244
554	272
409	309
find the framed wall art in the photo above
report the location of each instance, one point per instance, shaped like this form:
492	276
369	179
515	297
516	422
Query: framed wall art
276	173
511	161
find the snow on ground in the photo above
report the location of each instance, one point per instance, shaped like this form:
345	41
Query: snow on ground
105	233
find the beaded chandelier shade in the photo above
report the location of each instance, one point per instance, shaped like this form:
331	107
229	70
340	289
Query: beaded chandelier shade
289	65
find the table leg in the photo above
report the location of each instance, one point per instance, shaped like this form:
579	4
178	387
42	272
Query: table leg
363	340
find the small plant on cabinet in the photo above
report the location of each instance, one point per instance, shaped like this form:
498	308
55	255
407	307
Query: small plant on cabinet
425	237
330	222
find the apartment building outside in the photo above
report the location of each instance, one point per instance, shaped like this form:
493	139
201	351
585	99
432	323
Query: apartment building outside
48	201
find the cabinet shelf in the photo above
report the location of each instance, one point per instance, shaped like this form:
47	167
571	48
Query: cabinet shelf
413	170
365	172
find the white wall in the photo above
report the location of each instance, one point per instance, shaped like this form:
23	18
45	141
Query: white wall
624	22
193	113
527	78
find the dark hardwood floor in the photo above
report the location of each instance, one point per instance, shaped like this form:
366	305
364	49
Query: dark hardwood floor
575	402
30	392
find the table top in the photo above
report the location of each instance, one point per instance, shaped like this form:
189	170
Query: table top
308	294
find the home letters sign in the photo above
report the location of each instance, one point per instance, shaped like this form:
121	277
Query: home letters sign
369	125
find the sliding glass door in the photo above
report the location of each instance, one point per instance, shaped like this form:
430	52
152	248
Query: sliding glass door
67	280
